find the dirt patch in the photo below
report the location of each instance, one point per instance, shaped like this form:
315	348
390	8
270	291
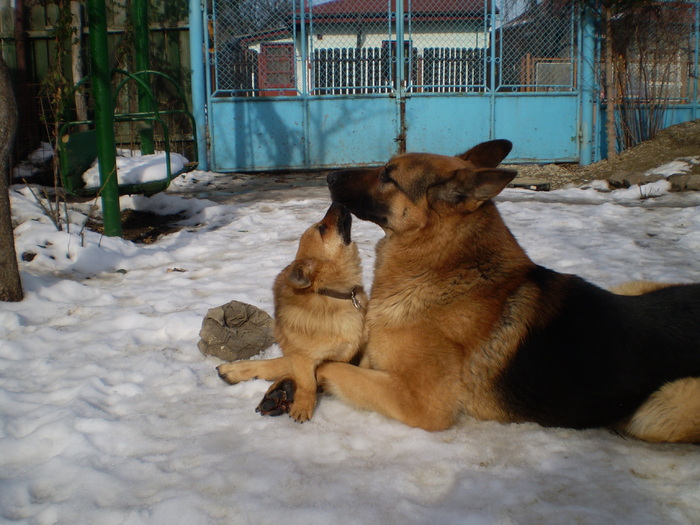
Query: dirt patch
143	227
681	140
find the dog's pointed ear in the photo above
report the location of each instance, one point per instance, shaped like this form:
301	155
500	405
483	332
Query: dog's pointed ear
300	273
491	182
469	188
487	154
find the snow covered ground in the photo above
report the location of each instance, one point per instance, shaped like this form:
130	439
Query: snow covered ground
109	414
137	169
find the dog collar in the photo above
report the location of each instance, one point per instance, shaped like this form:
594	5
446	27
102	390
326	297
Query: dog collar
351	295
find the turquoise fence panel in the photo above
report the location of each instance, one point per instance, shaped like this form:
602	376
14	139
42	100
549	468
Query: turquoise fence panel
347	131
449	124
344	83
351	82
543	128
263	134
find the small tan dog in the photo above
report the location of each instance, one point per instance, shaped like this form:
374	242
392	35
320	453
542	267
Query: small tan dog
319	316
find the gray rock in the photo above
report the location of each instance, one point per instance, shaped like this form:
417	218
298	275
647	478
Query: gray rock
641	178
679	181
618	180
693	183
236	331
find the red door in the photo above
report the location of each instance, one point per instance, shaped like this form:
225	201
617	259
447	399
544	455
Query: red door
277	70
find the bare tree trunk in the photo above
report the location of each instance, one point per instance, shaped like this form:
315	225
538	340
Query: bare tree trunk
10	284
610	94
77	61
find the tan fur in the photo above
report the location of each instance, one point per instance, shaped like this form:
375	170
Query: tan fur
309	327
453	300
638	287
671	414
427	317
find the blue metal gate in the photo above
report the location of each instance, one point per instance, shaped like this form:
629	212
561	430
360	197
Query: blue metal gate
294	84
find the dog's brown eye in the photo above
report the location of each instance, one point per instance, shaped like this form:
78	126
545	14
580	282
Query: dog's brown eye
322	229
384	177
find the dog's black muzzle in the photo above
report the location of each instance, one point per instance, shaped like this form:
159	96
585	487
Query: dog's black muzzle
353	189
344	223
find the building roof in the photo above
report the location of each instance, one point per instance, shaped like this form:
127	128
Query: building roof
351	11
339	9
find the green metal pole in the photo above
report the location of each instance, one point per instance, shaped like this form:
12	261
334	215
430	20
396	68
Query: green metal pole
141	49
104	117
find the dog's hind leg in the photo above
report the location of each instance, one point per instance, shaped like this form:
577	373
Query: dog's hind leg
638	287
267	369
378	391
671	414
278	399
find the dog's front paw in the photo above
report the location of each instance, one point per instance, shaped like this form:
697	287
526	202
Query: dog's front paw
228	373
304	405
235	372
301	413
278	399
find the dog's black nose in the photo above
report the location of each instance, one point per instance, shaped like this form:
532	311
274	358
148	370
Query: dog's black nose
337	177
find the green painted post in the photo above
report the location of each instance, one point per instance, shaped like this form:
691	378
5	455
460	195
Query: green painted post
141	49
104	117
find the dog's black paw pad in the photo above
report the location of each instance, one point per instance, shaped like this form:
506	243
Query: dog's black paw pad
267	406
288	387
278	400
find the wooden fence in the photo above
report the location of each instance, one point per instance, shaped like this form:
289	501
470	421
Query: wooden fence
351	71
453	69
370	70
29	31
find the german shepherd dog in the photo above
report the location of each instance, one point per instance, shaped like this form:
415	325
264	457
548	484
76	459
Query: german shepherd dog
460	320
319	315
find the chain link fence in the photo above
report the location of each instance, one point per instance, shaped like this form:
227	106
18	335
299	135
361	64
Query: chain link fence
341	47
538	47
255	47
